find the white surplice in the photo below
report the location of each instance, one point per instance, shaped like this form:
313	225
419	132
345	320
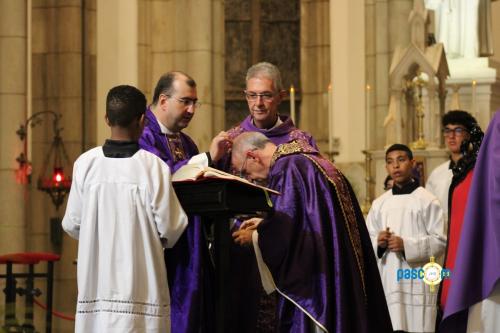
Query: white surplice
438	183
418	219
123	211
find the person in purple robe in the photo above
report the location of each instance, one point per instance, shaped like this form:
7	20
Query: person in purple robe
253	311
473	303
264	93
314	250
190	275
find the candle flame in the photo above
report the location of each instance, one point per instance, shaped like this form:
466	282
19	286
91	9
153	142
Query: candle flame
368	87
474	82
292	89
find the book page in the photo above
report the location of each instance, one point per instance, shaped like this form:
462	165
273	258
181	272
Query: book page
188	172
193	172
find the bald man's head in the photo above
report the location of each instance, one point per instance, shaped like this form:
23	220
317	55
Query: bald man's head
251	155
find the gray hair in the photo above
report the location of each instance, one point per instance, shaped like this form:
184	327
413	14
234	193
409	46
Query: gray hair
267	70
248	141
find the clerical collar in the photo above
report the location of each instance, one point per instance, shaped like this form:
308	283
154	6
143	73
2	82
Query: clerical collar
163	128
120	149
406	188
276	124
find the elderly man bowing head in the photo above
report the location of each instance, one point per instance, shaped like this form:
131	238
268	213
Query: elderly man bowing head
314	250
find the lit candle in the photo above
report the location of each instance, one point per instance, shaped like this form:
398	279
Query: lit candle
473	97
330	119
367	114
292	104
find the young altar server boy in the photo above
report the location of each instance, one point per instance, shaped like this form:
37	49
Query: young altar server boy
123	210
406	228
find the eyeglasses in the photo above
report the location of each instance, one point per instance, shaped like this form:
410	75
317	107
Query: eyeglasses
251	96
187	102
243	173
458	131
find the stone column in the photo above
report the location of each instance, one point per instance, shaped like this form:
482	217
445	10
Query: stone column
315	68
188	35
386	27
117	52
347	56
13	90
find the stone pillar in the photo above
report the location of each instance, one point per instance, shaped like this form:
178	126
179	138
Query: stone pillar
117	52
347	56
370	70
13	108
315	69
386	27
188	35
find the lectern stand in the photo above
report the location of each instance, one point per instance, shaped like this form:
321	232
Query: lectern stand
219	200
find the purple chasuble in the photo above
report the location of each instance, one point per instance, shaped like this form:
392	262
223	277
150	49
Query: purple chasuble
477	267
248	314
318	249
189	271
284	133
170	150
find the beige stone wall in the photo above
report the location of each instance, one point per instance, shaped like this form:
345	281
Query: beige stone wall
347	54
315	68
57	76
386	27
59	67
13	89
495	22
117	52
13	111
169	39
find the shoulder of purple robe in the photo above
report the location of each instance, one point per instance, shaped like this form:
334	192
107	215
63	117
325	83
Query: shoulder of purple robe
235	131
149	141
309	223
296	134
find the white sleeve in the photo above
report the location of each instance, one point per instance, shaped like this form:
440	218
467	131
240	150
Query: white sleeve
200	159
430	184
418	249
73	215
374	226
170	218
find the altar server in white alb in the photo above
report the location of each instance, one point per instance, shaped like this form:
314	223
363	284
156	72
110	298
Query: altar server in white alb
123	210
406	227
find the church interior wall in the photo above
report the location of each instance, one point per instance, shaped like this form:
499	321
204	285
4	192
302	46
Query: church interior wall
68	76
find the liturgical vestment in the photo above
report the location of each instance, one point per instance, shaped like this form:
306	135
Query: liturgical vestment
122	210
315	250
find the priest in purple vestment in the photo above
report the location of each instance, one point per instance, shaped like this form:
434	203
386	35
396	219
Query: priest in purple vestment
315	250
264	93
190	274
473	303
251	310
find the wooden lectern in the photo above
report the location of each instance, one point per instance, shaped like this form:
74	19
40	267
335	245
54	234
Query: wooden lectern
219	200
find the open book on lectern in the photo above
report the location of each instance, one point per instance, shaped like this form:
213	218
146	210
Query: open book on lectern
196	172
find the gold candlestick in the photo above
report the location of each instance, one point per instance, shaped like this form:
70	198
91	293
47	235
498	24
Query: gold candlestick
419	107
367	203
